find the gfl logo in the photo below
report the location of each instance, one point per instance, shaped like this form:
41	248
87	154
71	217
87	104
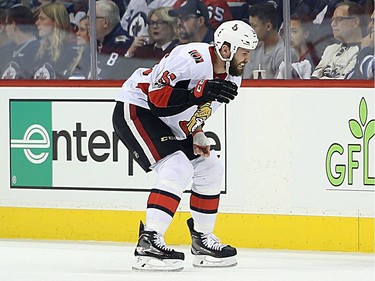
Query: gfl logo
360	130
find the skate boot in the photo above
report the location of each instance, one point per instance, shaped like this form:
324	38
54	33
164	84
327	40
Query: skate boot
153	255
208	251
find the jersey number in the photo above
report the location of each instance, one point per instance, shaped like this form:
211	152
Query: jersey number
167	78
112	59
218	14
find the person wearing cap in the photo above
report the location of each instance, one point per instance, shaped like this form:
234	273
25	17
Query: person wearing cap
193	22
218	10
159	116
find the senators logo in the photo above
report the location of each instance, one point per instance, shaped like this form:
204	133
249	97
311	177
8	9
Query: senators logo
199	117
196	56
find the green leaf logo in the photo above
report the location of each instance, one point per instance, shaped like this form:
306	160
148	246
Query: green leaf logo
354	125
363	111
355	128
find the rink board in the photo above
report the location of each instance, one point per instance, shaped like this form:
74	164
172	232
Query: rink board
323	233
298	157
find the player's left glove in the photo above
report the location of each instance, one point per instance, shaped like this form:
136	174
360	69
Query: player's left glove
213	90
201	144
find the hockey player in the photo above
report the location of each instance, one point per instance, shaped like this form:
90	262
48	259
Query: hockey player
159	116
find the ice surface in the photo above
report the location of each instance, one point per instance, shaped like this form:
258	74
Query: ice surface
29	260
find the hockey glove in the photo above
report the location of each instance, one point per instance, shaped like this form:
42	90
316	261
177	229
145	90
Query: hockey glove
201	144
213	90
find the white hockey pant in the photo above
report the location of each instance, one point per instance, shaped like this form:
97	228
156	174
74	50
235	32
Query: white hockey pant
175	173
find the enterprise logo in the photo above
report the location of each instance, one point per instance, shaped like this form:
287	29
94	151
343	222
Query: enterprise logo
29	142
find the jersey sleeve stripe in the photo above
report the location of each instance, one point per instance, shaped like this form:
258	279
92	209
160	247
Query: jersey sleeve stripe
160	97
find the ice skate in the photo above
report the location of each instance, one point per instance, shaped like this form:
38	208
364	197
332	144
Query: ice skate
153	255
208	251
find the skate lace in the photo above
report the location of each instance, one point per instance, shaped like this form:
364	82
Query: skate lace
160	243
212	242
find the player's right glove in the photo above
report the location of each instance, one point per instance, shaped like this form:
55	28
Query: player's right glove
213	90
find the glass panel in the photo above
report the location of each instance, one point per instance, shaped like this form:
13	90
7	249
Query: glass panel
299	39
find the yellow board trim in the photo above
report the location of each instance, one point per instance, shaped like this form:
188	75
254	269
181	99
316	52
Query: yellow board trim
292	232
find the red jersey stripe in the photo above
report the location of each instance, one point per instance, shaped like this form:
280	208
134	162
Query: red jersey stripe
142	132
143	87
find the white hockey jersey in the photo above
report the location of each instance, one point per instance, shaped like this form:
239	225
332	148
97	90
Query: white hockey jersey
337	61
165	89
134	21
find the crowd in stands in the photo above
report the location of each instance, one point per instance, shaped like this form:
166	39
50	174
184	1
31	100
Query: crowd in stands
50	39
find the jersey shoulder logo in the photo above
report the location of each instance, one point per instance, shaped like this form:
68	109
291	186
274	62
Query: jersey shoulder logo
198	58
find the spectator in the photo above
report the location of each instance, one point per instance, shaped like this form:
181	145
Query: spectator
134	21
54	55
112	41
270	51
218	11
109	33
192	22
80	67
301	39
323	20
19	55
330	6
339	59
162	36
301	34
365	66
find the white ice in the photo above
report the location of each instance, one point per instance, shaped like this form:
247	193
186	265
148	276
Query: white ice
29	260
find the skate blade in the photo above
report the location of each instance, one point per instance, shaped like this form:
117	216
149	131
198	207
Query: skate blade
154	264
208	261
